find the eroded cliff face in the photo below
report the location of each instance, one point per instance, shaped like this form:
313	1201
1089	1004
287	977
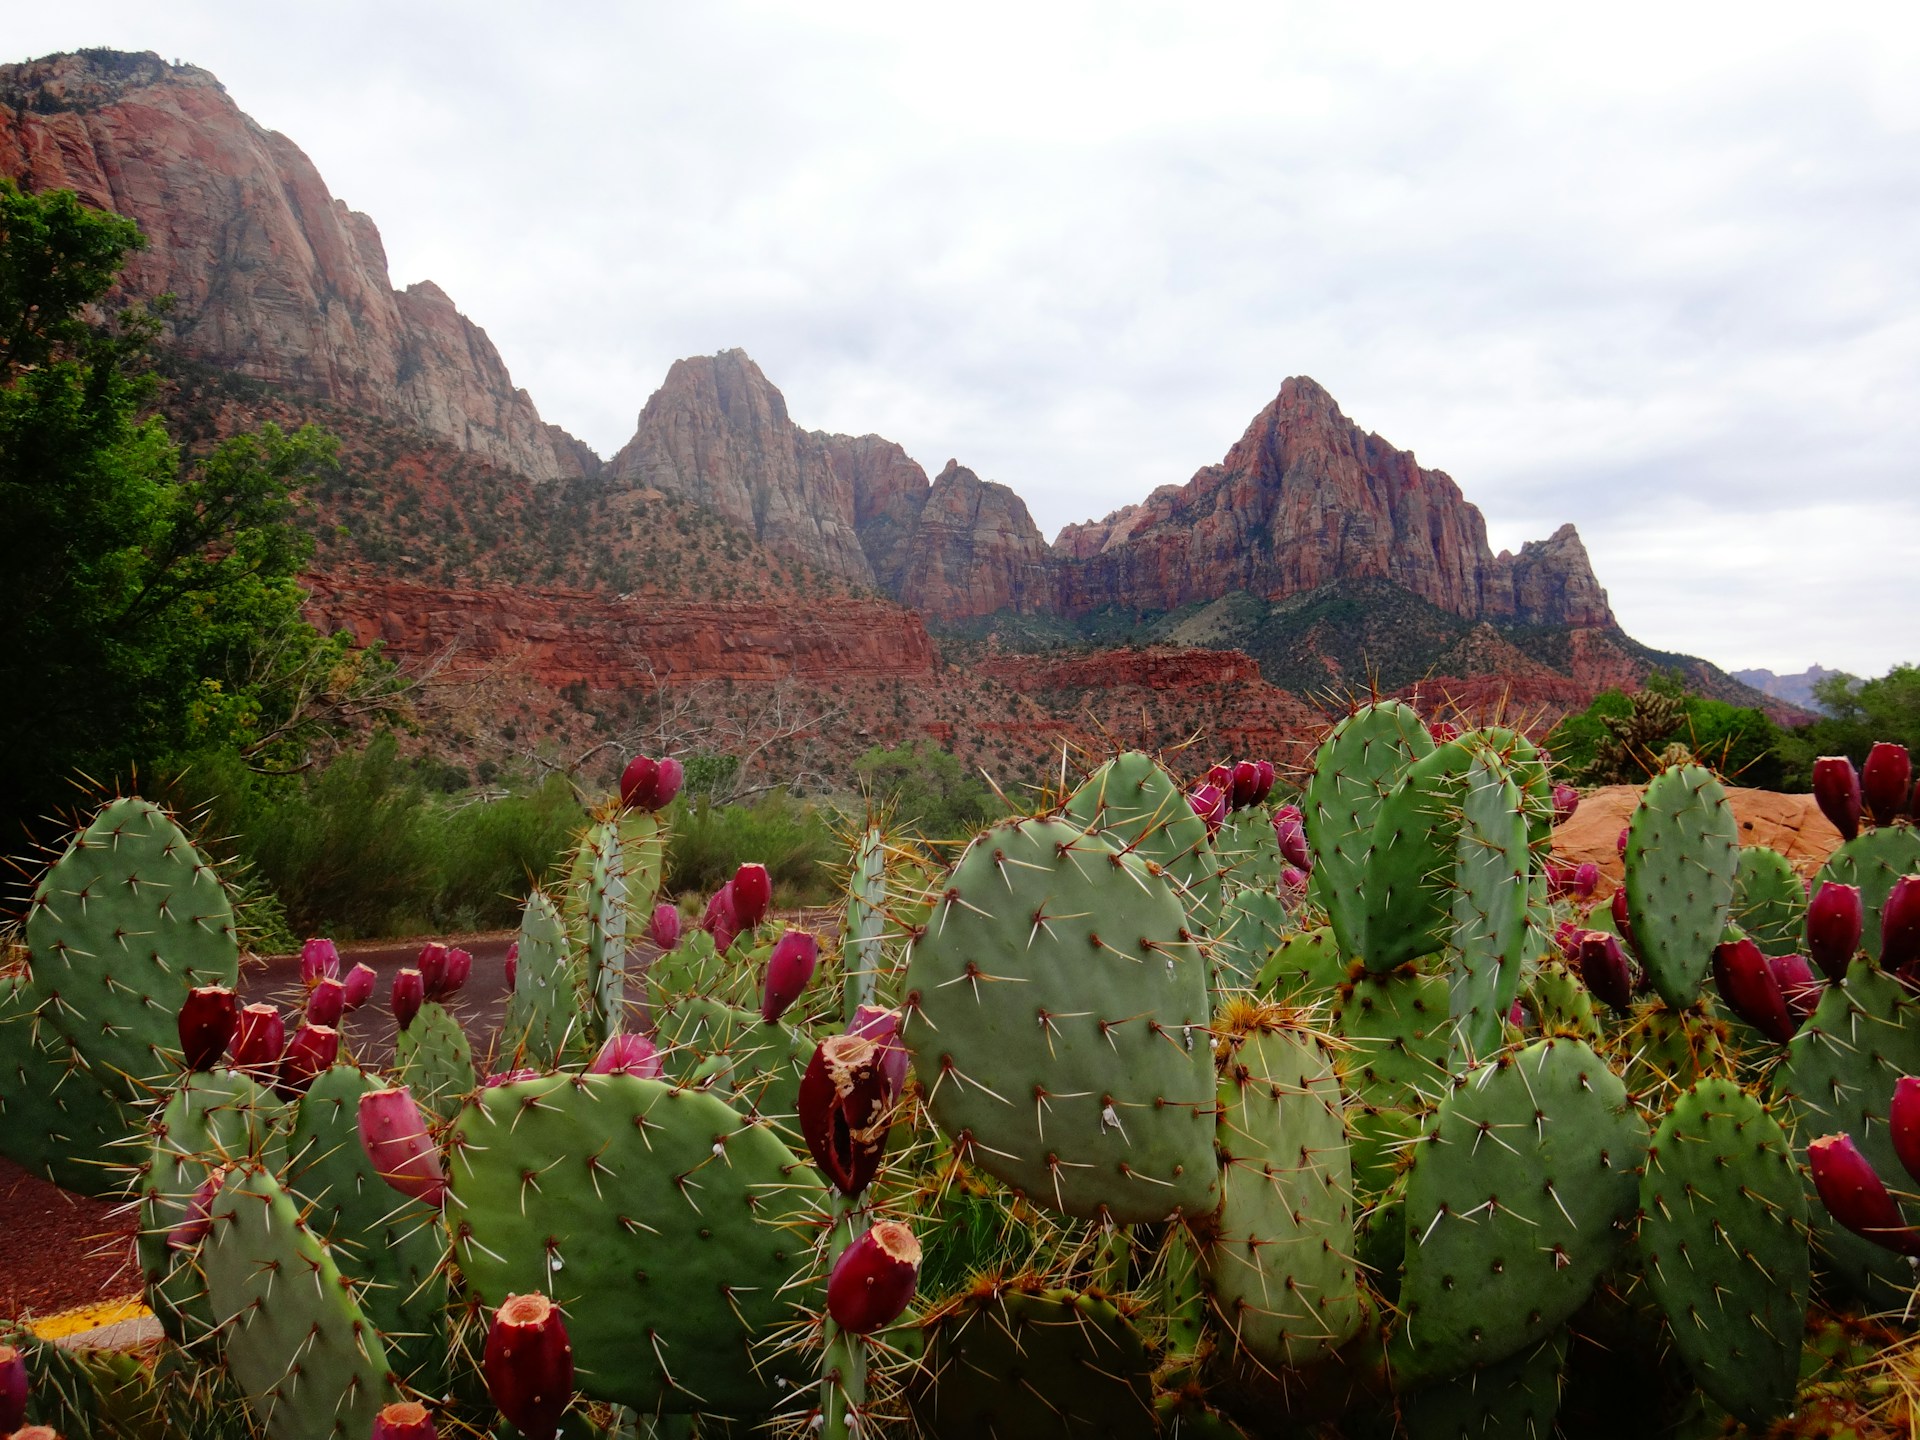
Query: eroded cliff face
273	277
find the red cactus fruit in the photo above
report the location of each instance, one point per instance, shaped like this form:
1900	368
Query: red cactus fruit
1620	841
359	986
1290	834
312	1049
327	1001
1606	971
843	1104
1566	939
1885	780
882	1027
1209	802
394	1134
1293	884
639	782
403	1420
432	966
1622	921
318	959
1900	926
625	1054
1834	919
1748	985
1857	1197
789	968
459	970
511	964
529	1365
665	926
1903	1122
1221	777
13	1387
720	920
509	1077
873	1280
1836	789
1566	800
672	776
1264	769
1799	986
207	1018
752	894
409	993
192	1227
258	1039
1246	784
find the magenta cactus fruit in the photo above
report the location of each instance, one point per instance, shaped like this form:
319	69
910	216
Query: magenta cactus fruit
874	1278
1221	777
192	1227
1566	800
312	1049
720	919
409	994
529	1365
1209	802
394	1134
319	959
752	894
1856	1196
789	968
459	970
1290	834
1266	774
665	926
1293	885
1586	879
359	985
1900	926
671	777
258	1038
1246	784
327	1001
432	965
638	783
882	1027
1885	780
1606	971
511	963
13	1388
1622	921
1903	1123
1748	984
1836	789
1442	731
844	1103
404	1420
1620	842
1799	986
509	1077
1834	919
625	1054
1566	939
207	1019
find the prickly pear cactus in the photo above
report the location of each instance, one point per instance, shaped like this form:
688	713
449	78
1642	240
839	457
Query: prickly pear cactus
58	1118
1723	1235
1407	882
866	920
1516	1202
1838	1078
668	1228
1354	770
754	1065
1303	969
1253	924
1769	902
1396	1034
1491	870
1248	851
1873	861
1512	1399
1138	807
432	1058
1056	1010
309	1359
1280	1265
122	926
606	934
1683	852
543	1012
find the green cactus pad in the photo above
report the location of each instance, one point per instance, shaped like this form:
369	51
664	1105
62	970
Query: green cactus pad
1873	861
1408	881
1516	1202
432	1058
1280	1265
543	1013
1561	1004
1683	852
1723	1233
1248	851
669	1228
694	967
1025	1363
862	951
1838	1077
1355	768
1513	1399
391	1246
1487	943
1396	1035
307	1356
1660	1052
57	1117
1057	1015
756	1065
1252	924
1304	969
1140	809
122	926
1769	902
606	916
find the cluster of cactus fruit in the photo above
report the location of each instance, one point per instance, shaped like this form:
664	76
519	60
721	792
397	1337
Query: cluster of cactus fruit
1168	1109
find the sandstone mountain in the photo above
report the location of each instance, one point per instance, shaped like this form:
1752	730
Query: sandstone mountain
273	277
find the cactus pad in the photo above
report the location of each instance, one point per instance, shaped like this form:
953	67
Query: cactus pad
432	1058
1683	852
1139	808
543	1012
1489	907
1514	1399
1873	861
1769	902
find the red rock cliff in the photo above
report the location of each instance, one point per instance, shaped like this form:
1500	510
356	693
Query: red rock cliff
274	278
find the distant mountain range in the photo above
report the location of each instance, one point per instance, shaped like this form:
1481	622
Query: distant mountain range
1794	689
1331	558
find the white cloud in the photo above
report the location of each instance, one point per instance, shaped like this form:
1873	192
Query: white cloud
1646	268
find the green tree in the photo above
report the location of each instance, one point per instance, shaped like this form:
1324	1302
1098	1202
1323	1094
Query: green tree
1859	712
152	610
930	791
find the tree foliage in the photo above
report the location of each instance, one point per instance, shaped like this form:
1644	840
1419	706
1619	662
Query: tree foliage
1859	712
1623	739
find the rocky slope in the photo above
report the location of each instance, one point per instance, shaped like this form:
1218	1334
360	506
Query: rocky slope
274	278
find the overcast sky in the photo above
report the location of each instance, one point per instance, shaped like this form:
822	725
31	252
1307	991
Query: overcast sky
1654	269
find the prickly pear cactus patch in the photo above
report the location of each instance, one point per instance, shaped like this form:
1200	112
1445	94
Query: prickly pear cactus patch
432	1058
1683	853
1138	807
1873	861
544	1017
1057	1013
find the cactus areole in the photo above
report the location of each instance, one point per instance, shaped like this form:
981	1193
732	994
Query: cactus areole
529	1365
